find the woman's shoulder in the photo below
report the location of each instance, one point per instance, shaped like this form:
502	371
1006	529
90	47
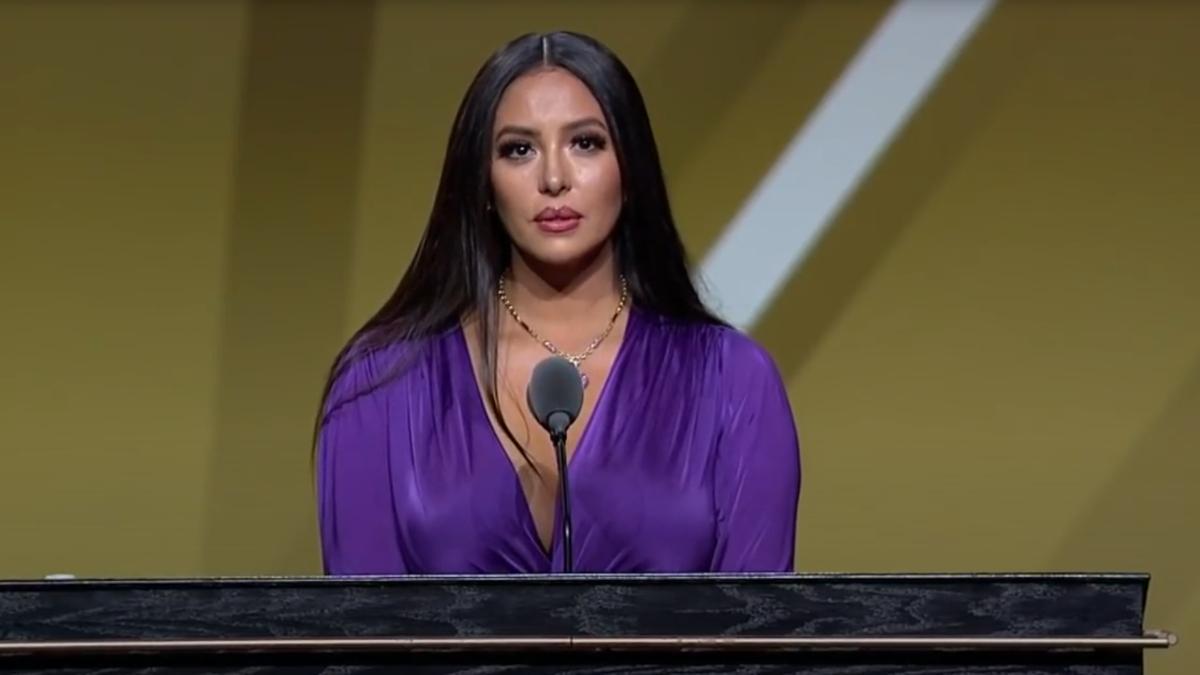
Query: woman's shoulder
368	371
718	345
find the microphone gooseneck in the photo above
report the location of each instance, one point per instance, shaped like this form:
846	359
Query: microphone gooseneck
555	397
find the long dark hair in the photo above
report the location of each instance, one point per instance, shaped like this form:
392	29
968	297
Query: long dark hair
465	248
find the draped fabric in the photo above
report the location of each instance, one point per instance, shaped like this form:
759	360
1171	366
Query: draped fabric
690	462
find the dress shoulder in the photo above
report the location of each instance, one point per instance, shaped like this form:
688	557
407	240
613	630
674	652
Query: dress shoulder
365	371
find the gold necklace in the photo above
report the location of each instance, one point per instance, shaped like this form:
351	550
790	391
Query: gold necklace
577	358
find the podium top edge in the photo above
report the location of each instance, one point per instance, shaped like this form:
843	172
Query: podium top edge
578	578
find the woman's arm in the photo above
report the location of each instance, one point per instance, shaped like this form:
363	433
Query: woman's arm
757	480
354	483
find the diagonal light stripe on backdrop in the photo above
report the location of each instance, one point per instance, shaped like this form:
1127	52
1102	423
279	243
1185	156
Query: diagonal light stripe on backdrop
833	151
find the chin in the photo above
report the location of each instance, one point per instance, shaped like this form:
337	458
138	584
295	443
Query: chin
561	253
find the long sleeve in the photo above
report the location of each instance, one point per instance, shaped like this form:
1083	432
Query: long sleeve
354	484
757	472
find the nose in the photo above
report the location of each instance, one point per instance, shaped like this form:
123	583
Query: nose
554	177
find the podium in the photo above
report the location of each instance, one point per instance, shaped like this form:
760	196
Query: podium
822	623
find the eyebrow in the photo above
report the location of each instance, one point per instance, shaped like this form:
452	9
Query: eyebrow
577	124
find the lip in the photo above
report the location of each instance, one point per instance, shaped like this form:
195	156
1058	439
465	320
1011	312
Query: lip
558	220
558	213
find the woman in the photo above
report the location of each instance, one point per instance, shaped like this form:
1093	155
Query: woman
551	233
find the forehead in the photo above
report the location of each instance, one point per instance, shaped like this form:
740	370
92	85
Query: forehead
546	97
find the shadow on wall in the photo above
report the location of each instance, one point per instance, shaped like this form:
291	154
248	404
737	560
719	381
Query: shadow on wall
1150	504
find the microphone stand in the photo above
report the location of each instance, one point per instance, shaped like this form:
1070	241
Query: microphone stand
560	452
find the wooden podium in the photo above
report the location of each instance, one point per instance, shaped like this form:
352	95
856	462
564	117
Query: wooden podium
827	623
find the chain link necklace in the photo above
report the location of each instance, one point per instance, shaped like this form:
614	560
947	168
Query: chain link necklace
576	359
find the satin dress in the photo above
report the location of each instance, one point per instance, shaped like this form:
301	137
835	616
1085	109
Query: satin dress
690	462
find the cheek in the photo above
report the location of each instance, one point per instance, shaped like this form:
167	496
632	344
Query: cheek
604	181
514	195
505	186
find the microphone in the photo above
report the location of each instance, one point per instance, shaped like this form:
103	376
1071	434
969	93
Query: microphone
555	397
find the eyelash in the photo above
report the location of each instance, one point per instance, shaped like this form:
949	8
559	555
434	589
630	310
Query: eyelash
596	141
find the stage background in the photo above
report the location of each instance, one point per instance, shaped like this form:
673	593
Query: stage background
993	350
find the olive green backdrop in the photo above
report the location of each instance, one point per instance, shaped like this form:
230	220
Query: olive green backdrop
993	353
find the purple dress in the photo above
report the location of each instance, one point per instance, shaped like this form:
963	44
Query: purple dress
689	463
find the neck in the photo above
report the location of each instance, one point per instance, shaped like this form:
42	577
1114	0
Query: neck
565	302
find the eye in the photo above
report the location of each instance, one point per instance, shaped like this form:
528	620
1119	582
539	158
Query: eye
590	142
515	149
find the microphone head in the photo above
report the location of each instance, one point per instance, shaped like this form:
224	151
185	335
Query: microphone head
555	394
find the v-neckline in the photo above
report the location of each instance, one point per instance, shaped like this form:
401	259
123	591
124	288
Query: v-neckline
529	524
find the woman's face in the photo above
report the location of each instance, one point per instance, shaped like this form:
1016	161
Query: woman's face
555	178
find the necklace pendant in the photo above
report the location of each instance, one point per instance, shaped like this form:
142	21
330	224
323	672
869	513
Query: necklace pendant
578	363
